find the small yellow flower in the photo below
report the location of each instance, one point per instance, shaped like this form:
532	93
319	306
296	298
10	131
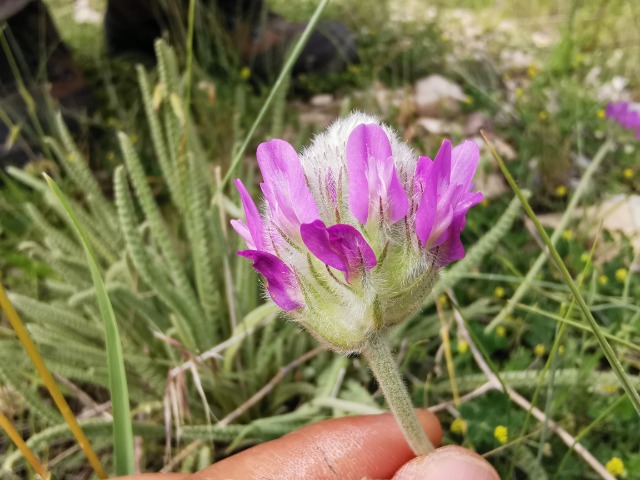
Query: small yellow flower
543	115
468	100
567	234
501	331
561	350
519	92
443	300
621	274
463	346
499	292
609	388
501	433
615	467
561	191
245	73
584	258
459	426
603	279
532	71
600	113
628	173
485	202
539	350
133	138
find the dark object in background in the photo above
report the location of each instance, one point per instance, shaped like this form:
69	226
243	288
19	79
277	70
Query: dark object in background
261	39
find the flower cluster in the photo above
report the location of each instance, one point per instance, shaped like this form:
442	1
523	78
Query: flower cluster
353	232
626	114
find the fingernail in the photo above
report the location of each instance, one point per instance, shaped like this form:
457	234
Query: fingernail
450	463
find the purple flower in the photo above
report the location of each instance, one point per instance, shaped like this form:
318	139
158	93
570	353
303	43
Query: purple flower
353	232
626	114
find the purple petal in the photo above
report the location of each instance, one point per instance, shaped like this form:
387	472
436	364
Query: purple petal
442	166
339	246
425	182
251	231
372	175
452	249
285	185
281	282
464	159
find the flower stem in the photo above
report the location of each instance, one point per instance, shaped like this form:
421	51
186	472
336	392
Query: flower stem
384	368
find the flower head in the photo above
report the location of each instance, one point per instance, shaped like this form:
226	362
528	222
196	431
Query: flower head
615	467
352	233
626	114
501	434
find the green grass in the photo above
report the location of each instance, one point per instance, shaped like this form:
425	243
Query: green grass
148	189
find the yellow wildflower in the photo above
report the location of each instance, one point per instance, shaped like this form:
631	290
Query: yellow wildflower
567	234
463	346
600	113
245	73
539	350
561	350
603	279
628	173
485	202
561	191
459	426
532	71
501	433
501	331
133	138
519	92
543	115
609	388
615	467
621	274
499	292
584	258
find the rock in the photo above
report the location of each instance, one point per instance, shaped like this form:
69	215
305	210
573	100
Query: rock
435	95
322	100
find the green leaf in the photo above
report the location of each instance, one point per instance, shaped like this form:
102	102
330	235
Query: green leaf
122	429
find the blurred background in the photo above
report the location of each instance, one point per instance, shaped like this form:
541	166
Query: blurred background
142	122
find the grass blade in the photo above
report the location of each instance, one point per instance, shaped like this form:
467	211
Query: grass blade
281	80
52	386
15	437
122	429
604	344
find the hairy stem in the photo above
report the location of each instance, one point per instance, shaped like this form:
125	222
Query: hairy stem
384	368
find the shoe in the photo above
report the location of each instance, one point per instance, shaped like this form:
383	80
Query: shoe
331	48
261	39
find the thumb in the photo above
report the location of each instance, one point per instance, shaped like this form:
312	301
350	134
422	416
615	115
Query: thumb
452	463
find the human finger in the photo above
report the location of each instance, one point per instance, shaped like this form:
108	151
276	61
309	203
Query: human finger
452	463
347	448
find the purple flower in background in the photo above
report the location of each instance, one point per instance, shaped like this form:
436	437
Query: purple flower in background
353	232
626	114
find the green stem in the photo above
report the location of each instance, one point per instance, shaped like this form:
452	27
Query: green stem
384	368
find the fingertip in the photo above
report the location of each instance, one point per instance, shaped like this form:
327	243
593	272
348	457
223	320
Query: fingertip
452	463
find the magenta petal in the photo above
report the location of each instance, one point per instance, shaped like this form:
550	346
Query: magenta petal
281	282
452	249
442	165
425	182
372	175
465	158
285	185
340	246
254	225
